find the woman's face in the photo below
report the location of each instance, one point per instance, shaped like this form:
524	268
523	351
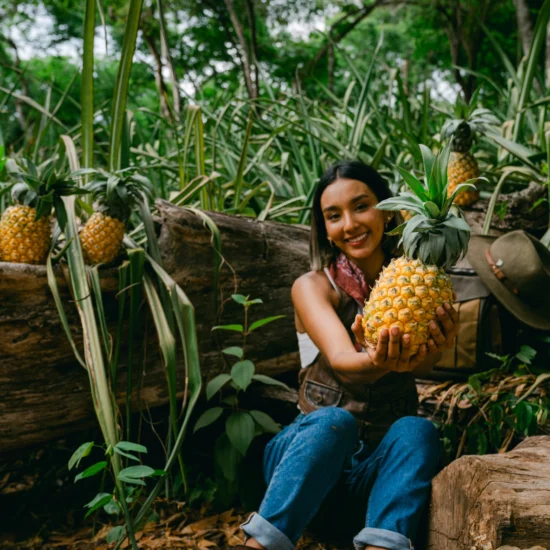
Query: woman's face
353	223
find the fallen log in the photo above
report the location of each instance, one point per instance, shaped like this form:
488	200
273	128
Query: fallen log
526	209
45	392
498	501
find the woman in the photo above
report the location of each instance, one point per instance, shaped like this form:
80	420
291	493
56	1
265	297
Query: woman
356	447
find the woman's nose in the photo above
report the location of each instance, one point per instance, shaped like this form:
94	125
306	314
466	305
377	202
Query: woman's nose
349	221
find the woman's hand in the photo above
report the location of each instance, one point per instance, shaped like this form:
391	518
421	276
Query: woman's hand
393	350
443	332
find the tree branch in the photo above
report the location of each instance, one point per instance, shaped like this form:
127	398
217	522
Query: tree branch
245	54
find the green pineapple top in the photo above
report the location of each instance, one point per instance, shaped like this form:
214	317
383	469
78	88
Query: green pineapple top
117	194
436	234
466	122
41	187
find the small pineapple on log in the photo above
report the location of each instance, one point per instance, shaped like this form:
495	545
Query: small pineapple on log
25	227
116	196
464	127
410	288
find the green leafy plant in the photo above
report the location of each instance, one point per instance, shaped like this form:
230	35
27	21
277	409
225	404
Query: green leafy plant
499	406
241	425
131	478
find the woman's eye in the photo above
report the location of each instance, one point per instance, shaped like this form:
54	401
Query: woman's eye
362	206
333	217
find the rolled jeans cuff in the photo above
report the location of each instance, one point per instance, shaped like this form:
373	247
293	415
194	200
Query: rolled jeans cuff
381	537
266	534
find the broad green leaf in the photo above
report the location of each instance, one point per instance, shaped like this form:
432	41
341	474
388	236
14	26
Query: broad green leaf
526	354
266	422
208	417
131	480
242	373
116	534
128	446
269	381
100	500
112	507
137	471
127	455
227	457
91	471
263	322
475	384
239	298
84	450
216	384
235	351
236	328
239	428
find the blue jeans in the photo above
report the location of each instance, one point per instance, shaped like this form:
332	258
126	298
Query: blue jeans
319	455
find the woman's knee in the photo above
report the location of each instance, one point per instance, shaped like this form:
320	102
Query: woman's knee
336	423
416	434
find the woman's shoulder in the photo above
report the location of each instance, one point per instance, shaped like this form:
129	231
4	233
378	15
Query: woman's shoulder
312	279
314	284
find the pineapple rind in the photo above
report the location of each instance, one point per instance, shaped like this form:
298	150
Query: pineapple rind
22	239
101	238
462	167
406	295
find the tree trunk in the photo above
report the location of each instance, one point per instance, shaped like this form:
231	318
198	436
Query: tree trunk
525	26
525	210
165	51
499	502
245	53
159	79
45	392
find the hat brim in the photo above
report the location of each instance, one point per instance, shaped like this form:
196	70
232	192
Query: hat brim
537	318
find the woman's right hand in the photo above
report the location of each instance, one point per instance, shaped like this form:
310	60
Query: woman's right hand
393	350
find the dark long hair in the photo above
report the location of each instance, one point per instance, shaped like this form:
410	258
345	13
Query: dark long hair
321	254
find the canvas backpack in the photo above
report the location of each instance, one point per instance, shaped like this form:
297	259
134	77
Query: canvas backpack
480	327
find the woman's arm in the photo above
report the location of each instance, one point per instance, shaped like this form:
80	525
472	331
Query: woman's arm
314	303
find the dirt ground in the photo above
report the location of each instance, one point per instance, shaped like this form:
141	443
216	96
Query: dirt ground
177	528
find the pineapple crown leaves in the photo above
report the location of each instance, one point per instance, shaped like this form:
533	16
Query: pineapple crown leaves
466	120
438	234
117	193
41	187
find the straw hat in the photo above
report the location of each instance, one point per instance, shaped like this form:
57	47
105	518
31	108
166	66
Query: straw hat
516	269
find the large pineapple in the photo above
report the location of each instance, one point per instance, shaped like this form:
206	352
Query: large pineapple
411	287
25	227
466	124
116	196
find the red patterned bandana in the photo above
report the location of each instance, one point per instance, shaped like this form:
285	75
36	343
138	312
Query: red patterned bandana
350	279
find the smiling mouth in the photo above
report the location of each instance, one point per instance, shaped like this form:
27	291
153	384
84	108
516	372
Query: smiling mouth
358	239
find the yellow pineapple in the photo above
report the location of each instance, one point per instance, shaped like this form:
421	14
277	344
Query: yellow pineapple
463	167
25	227
24	239
466	124
116	196
411	287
